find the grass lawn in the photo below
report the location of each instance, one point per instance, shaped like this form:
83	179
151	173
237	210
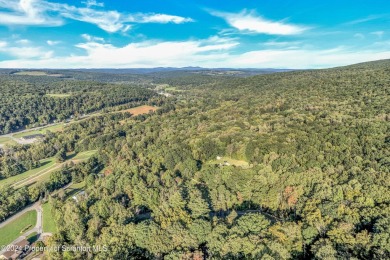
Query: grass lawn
77	186
238	163
6	140
54	128
41	174
84	155
49	226
58	95
12	231
173	89
47	164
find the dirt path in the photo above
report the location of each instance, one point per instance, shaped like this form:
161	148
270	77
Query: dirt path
35	175
31	179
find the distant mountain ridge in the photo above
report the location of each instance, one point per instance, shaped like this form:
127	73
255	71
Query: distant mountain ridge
250	71
167	69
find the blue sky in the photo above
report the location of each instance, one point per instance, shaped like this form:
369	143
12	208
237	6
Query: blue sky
177	33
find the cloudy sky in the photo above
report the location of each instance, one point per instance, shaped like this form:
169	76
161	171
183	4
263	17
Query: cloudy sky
179	33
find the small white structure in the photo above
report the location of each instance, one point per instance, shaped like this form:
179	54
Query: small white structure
76	197
219	157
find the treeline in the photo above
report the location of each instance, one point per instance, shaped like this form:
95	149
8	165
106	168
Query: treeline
23	104
316	146
13	200
17	159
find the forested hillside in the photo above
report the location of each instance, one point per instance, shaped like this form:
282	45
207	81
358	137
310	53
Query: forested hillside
289	165
29	101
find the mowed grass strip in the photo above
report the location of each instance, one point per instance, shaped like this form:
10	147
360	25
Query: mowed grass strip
173	89
44	177
6	140
54	128
84	155
49	225
42	174
13	230
58	95
47	164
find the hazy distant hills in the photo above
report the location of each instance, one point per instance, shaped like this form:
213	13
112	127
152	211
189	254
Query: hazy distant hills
188	69
197	70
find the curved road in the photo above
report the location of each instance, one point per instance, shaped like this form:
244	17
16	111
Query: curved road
38	226
20	141
34	206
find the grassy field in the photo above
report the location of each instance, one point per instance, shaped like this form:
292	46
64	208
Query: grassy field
47	164
230	161
45	176
135	111
173	89
6	140
12	231
49	226
36	73
42	173
58	95
31	73
54	128
84	155
76	186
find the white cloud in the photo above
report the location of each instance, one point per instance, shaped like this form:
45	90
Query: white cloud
151	54
91	38
110	21
277	44
45	13
90	3
382	44
163	18
27	12
211	52
24	50
52	43
23	41
27	52
3	44
359	36
365	19
143	54
379	34
248	21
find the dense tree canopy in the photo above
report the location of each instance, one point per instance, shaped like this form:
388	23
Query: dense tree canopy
306	170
